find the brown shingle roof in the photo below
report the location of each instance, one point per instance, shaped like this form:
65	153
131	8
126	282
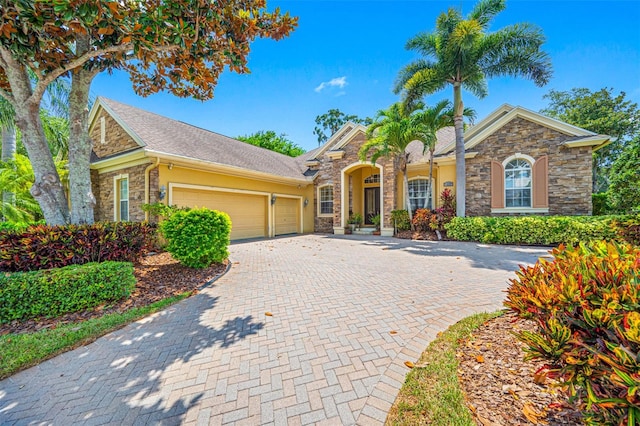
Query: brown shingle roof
164	135
415	149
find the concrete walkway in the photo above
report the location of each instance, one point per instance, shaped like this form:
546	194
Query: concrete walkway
325	356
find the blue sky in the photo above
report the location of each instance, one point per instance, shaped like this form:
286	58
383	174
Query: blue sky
347	54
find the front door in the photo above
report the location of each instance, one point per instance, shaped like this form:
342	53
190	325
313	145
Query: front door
371	204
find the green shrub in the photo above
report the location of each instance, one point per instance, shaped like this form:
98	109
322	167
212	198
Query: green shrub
586	302
54	292
401	220
17	226
45	247
198	237
545	230
601	204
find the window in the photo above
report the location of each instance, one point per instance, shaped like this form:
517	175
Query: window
325	200
517	183
418	194
122	199
373	179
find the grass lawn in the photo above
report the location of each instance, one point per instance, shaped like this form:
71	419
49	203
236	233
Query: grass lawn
431	392
20	351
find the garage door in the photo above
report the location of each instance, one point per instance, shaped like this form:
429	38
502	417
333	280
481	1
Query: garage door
287	216
248	212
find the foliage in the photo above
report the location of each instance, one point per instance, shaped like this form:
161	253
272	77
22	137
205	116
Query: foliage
162	210
376	221
601	112
628	229
431	393
355	219
44	247
625	178
436	219
20	351
462	53
179	46
601	202
401	219
198	237
16	176
57	291
544	230
271	141
332	121
586	302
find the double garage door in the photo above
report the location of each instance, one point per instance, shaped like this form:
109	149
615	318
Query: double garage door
249	212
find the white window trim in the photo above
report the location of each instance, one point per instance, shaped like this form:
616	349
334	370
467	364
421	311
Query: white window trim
521	210
319	214
116	196
531	160
433	187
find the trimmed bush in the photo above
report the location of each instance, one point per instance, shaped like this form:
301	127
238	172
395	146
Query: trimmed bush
54	292
601	204
45	247
586	302
198	237
401	220
542	230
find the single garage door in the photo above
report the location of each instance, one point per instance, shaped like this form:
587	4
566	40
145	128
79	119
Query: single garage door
248	212
287	216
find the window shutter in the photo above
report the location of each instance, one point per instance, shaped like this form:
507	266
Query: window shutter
497	185
541	182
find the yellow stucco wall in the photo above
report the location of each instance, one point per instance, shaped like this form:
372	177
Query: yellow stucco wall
447	174
184	175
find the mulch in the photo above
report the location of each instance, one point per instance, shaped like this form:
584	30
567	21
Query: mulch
500	387
159	276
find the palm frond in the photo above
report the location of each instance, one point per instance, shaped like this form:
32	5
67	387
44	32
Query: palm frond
485	10
409	71
424	82
477	84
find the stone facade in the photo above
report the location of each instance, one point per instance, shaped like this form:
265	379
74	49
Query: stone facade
569	170
116	139
329	172
103	189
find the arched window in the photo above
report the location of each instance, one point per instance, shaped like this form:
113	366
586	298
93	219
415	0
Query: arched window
325	200
517	183
418	195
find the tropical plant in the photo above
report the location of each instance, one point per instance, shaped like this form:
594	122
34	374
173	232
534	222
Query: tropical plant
388	136
16	178
432	119
462	53
181	46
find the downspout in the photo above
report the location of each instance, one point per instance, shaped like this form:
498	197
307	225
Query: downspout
147	190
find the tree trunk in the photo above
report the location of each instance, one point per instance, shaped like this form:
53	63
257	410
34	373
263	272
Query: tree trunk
80	194
407	201
47	188
8	153
461	173
430	183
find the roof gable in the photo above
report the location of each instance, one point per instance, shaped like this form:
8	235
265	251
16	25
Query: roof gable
506	113
340	138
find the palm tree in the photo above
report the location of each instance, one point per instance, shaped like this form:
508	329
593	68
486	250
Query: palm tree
430	120
388	136
463	54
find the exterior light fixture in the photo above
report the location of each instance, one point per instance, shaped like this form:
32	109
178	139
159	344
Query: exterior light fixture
273	199
162	193
306	202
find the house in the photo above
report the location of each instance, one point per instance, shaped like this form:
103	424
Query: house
518	162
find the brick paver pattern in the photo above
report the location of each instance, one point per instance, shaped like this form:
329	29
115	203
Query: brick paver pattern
324	356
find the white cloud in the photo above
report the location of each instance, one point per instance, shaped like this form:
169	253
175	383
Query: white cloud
334	82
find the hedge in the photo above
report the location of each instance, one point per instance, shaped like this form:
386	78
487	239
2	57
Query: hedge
54	292
544	230
45	247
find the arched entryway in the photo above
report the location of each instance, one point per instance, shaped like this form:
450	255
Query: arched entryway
362	191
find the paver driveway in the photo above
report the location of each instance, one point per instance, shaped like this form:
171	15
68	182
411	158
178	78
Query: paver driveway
325	356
